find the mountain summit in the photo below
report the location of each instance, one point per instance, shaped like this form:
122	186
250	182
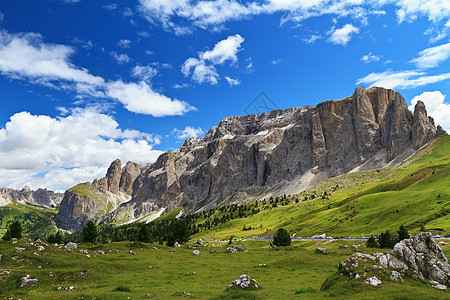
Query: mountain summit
269	154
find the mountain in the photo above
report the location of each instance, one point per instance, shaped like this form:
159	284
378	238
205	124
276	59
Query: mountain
88	201
257	156
40	197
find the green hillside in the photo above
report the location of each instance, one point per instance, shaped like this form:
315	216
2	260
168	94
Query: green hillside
415	194
36	221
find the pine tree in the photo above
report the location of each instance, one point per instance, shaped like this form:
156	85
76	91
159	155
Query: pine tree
15	229
282	238
144	234
371	242
385	240
89	232
402	233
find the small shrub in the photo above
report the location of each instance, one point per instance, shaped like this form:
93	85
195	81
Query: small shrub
308	290
122	288
282	238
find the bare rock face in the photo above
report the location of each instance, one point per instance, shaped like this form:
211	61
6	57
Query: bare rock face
92	201
40	197
418	257
423	126
284	151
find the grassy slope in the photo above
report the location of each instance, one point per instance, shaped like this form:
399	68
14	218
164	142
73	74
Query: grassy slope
35	220
287	270
368	202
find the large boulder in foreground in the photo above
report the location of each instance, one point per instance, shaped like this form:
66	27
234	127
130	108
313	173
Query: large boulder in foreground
418	257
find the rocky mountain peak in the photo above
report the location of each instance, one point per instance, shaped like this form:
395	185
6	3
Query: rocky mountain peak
423	126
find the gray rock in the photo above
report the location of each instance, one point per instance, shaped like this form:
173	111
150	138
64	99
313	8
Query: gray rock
395	276
235	248
113	251
244	282
321	250
19	249
419	255
176	245
132	252
40	248
442	244
27	280
195	252
437	285
373	281
71	246
101	252
344	246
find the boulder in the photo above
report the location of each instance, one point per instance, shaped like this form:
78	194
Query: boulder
243	282
113	251
321	250
71	246
195	252
373	281
19	249
235	248
344	246
418	257
176	245
27	280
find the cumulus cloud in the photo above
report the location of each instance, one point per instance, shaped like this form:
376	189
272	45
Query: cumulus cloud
342	35
370	58
432	57
26	56
140	98
401	79
187	133
232	81
120	58
202	69
436	107
145	73
59	152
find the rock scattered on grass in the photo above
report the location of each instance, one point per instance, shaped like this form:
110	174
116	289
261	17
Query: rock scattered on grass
437	285
84	251
195	252
321	250
182	293
373	281
27	280
18	249
113	251
235	248
344	246
395	276
176	245
71	246
101	252
243	282
132	252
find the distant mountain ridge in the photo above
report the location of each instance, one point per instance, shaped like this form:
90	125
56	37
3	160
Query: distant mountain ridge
257	156
40	197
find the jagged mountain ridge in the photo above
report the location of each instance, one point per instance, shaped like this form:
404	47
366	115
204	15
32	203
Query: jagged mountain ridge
91	201
40	197
284	151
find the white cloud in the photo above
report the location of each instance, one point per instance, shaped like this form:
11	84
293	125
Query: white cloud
26	56
232	81
120	58
187	133
250	68
224	50
276	61
312	39
436	107
181	86
140	98
370	58
127	12
343	35
68	150
401	79
202	69
145	73
432	57
124	43
409	10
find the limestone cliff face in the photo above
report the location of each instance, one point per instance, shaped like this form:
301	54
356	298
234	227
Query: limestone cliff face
92	201
40	197
283	151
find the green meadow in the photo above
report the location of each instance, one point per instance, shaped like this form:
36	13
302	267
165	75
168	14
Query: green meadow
293	272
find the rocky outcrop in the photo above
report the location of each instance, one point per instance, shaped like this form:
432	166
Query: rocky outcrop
281	152
418	257
40	197
92	201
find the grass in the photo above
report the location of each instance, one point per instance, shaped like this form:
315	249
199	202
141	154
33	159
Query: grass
290	273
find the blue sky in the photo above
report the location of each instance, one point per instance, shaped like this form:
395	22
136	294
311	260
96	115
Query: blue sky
85	82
